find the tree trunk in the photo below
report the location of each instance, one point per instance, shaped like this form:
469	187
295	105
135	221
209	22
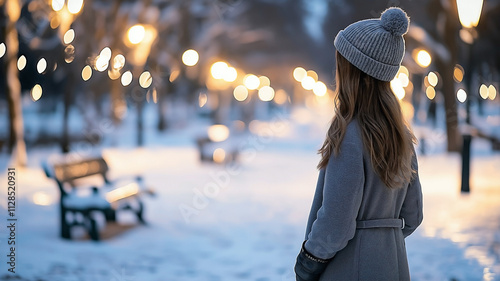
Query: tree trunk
17	146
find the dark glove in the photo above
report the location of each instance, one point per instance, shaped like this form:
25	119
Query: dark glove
309	267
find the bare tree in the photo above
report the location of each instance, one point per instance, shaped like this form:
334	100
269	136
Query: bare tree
12	10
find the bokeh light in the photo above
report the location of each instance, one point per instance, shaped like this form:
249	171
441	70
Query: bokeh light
397	88
319	89
483	91
264	81
433	79
430	92
41	66
86	73
280	97
423	58
101	63
299	73
266	93
230	75
145	79
21	62
69	36
251	81
461	95
492	92
36	92
240	93
3	49
136	34
218	133
458	73
57	5
74	6
313	74
219	155
118	62
190	57
126	78
308	83
219	69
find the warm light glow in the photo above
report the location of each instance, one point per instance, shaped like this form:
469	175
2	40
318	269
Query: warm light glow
74	6
319	89
299	73
461	95
219	155
251	81
430	92
230	75
101	63
145	79
105	53
219	69
173	75
69	36
41	198
21	62
122	192
432	78
403	77
280	97
308	83
458	73
492	92
264	81
483	91
114	74
202	99
218	133
469	12
136	34
423	58
126	78
57	5
403	69
313	74
118	62
86	73
240	93
36	92
266	93
3	49
397	88
41	66
190	57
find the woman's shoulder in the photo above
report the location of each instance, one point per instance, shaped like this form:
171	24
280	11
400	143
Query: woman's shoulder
353	132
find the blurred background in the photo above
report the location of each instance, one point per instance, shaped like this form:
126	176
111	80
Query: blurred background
218	108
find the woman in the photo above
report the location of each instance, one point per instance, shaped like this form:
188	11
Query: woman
368	197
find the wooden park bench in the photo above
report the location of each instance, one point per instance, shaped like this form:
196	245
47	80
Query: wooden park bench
79	201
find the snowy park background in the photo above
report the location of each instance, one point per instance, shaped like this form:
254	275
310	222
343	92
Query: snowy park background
263	70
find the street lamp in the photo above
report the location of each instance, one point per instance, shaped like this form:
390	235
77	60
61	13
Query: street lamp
469	12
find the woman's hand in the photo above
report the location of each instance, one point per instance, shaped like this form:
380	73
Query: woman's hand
309	267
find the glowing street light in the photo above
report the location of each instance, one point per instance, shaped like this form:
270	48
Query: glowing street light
136	34
230	75
190	57
423	58
299	73
219	69
319	89
218	133
469	12
266	93
251	81
308	83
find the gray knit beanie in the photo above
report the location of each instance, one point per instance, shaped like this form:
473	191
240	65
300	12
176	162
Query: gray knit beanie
375	46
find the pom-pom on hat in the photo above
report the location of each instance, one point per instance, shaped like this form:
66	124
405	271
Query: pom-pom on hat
375	46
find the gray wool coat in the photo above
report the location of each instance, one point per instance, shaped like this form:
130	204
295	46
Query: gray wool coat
349	190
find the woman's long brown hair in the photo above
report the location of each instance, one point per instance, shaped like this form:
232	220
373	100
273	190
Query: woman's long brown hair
385	134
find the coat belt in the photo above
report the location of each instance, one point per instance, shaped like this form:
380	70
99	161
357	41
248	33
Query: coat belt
399	223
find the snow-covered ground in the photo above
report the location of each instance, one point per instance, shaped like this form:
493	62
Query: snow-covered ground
213	222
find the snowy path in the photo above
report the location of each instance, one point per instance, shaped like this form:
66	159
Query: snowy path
252	228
